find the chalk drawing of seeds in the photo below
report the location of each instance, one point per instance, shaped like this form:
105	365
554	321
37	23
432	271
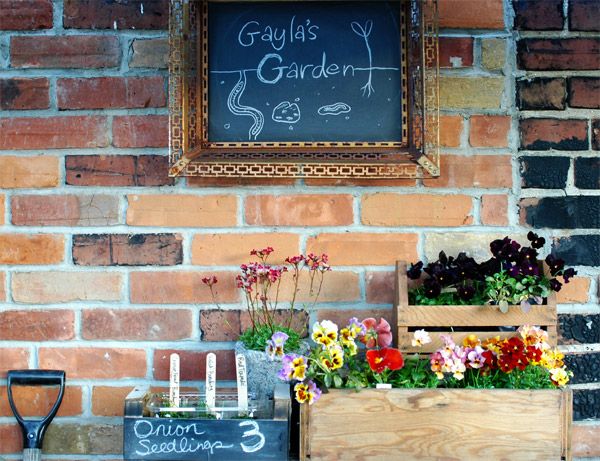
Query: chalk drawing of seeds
334	109
286	112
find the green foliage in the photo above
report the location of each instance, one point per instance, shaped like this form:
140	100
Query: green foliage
256	338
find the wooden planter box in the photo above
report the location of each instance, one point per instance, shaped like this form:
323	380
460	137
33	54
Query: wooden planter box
480	320
438	424
147	438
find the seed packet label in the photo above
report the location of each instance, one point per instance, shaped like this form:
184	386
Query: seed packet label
242	381
211	379
383	386
174	380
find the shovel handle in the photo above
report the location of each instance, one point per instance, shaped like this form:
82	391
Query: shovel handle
33	430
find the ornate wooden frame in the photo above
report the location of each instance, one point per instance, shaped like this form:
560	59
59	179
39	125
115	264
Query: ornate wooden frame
192	154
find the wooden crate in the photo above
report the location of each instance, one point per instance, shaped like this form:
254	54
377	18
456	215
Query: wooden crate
438	424
476	319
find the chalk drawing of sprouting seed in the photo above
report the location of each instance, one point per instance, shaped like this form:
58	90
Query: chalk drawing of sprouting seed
364	32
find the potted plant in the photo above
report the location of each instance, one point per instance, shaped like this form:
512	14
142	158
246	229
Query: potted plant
270	330
458	294
472	400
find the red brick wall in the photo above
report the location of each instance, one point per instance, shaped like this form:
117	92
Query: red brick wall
101	254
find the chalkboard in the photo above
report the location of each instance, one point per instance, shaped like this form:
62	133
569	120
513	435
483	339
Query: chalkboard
306	72
195	439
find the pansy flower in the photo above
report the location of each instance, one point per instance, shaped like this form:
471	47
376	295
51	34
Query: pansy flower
476	358
471	341
437	362
294	367
380	334
420	337
308	392
275	344
325	333
387	357
357	327
332	357
560	376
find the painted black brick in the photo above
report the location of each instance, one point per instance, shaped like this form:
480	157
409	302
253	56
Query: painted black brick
577	212
596	134
586	404
587	172
536	15
585	367
541	94
578	250
579	329
544	172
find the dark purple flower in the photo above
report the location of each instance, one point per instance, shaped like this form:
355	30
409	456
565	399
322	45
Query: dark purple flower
446	278
414	273
513	271
555	264
510	251
569	273
496	247
536	240
528	268
466	292
443	258
529	254
432	288
555	285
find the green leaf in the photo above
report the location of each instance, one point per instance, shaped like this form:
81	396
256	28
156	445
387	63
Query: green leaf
503	306
327	380
337	381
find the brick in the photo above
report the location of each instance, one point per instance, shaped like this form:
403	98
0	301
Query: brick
193	364
96	438
337	287
37	325
24	93
493	53
476	246
341	317
136	325
108	400
576	291
136	14
489	171
2	210
544	172
94	362
179	287
227	325
299	210
451	127
494	210
182	210
541	93
67	52
386	209
584	92
2	287
489	130
547	133
28	172
117	170
199	181
546	15
578	250
13	358
466	14
38	249
360	182
456	51
65	210
234	249
585	367
26	14
561	212
127	250
596	134
586	404
471	92
141	131
151	52
11	439
380	287
584	442
39	400
365	249
584	15
587	172
57	287
558	54
578	329
84	131
110	92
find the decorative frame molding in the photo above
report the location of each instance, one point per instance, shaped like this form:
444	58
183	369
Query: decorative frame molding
192	154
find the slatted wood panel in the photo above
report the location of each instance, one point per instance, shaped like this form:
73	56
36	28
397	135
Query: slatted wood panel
470	319
438	424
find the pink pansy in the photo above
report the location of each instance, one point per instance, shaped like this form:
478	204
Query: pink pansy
380	334
476	359
421	337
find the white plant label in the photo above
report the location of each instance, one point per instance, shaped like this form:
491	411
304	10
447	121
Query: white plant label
211	380
242	381
174	381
